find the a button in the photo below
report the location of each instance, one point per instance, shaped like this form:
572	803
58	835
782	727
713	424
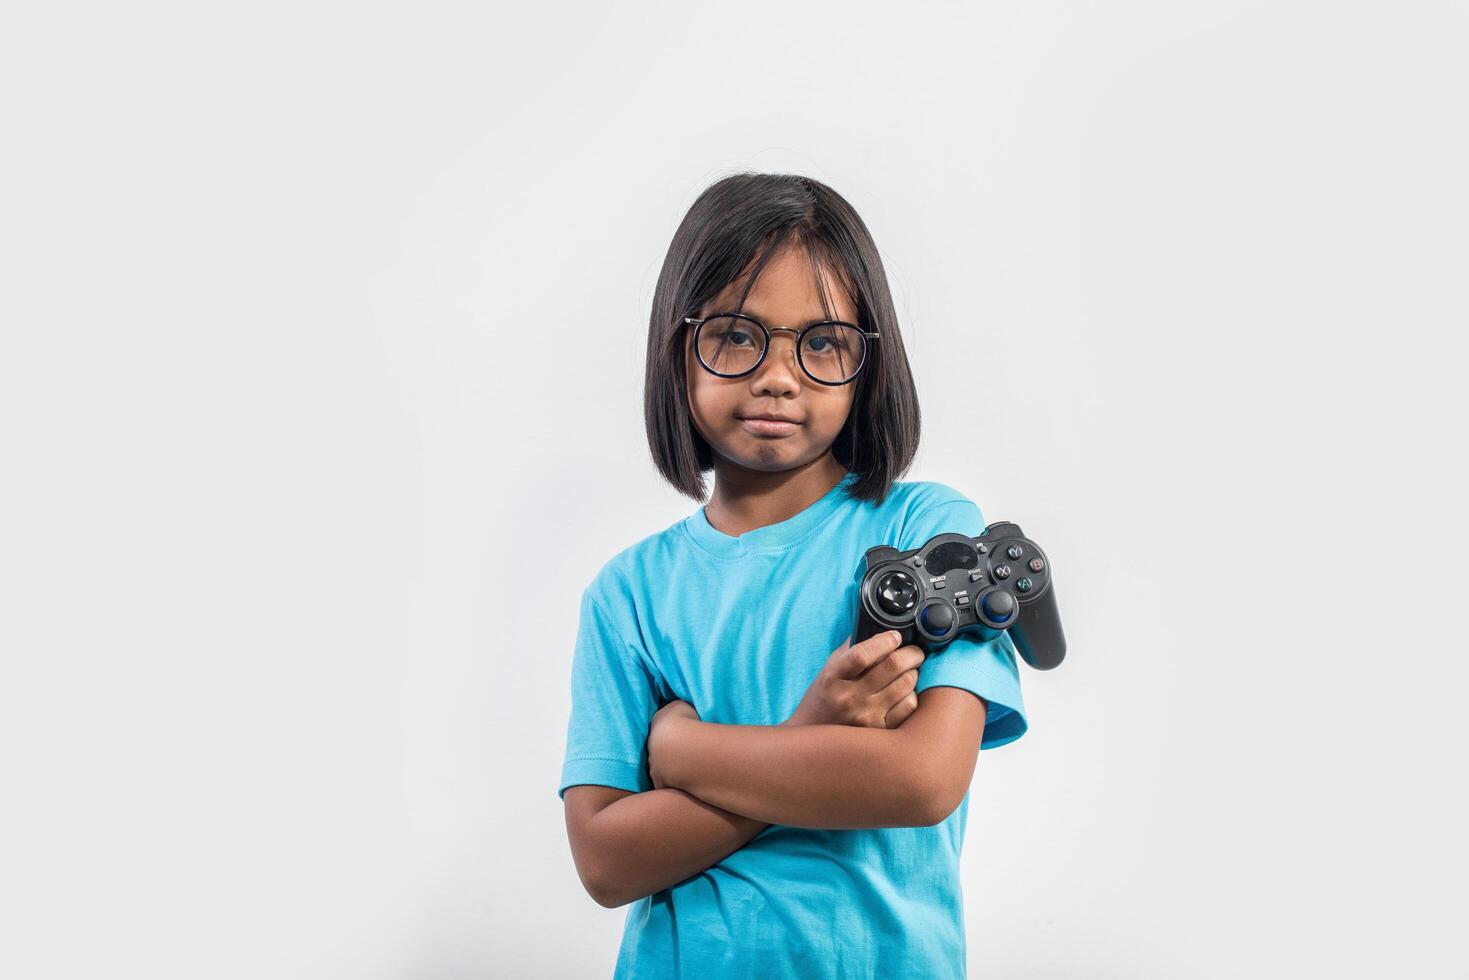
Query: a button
1002	571
1036	564
917	560
982	548
1024	585
976	575
939	583
1015	551
962	600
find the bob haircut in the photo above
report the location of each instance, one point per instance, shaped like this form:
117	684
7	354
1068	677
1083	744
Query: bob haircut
739	222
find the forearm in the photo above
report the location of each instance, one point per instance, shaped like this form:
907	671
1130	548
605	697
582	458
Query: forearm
820	776
645	842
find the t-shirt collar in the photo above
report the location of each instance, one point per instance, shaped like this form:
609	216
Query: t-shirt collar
771	537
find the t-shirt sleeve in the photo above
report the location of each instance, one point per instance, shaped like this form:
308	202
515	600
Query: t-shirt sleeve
613	698
985	667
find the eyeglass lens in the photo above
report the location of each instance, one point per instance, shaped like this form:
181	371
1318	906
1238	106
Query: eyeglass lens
830	352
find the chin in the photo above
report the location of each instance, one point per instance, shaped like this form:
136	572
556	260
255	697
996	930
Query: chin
767	456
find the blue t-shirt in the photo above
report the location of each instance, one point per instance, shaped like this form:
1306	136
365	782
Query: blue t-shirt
739	627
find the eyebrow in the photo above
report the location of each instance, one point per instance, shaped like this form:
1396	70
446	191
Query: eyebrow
764	319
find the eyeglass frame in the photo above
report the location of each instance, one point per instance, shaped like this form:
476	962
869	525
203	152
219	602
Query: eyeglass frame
698	323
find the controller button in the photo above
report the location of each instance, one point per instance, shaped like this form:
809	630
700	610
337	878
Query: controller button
1015	551
916	560
962	600
999	605
1036	564
1024	585
938	619
976	575
939	583
983	549
1002	571
896	593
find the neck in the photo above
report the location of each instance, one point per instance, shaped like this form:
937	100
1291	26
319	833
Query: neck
745	499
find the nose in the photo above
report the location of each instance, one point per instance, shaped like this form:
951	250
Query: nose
779	373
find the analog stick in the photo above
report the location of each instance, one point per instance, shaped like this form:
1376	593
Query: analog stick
896	593
999	605
938	618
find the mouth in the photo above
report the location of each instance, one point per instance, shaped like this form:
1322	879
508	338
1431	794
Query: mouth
768	425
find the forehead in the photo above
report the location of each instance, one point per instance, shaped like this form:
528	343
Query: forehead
788	290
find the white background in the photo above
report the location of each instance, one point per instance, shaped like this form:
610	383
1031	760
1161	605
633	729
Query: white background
323	333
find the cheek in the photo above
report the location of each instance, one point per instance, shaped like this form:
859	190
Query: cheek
709	401
834	410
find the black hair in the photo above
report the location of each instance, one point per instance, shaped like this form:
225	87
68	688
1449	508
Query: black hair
727	225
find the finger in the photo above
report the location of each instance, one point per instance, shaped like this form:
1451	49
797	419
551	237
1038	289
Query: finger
885	671
901	711
861	656
902	686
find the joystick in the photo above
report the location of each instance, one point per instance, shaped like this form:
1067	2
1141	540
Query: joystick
996	582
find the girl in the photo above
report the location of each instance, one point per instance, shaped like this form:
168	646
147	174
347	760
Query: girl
769	807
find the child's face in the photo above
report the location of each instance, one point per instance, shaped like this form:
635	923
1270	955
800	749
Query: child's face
784	296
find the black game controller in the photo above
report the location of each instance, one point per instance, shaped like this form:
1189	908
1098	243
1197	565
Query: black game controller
988	584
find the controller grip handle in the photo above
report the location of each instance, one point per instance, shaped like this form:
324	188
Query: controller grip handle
1037	632
868	627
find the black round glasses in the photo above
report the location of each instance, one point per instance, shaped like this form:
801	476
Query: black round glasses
731	345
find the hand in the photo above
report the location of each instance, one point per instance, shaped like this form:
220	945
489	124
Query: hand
660	729
870	685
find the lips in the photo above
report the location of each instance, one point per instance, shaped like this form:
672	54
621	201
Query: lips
768	426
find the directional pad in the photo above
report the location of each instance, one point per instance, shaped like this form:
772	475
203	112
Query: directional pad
897	593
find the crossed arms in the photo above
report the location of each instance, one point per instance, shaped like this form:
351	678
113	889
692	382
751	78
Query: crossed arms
717	786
